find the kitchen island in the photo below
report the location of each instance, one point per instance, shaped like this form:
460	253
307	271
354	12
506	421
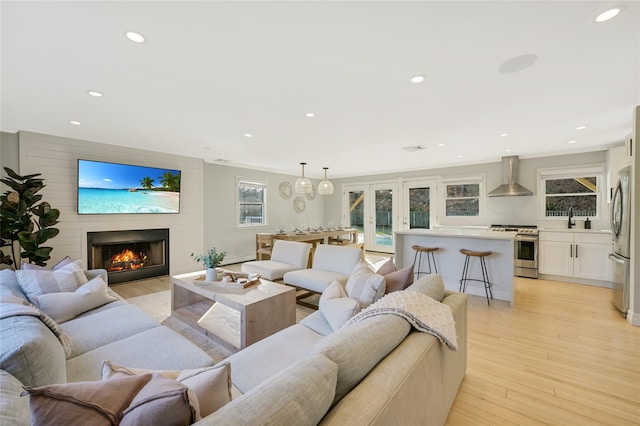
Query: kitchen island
449	260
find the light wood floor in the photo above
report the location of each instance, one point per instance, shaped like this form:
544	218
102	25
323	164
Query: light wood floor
563	355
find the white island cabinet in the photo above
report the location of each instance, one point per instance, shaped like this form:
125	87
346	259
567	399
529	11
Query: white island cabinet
450	261
581	256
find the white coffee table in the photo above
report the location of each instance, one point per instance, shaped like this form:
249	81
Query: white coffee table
235	317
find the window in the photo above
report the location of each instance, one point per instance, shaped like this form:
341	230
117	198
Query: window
577	189
462	197
252	201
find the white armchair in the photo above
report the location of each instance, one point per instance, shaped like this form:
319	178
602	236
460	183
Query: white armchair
285	256
329	262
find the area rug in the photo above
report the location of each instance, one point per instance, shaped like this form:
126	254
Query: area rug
158	306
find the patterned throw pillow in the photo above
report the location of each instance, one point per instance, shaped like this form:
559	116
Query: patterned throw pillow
36	283
364	285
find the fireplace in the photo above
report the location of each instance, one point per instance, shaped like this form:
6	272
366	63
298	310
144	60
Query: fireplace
129	255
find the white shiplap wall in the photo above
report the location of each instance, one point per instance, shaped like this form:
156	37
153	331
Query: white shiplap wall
56	158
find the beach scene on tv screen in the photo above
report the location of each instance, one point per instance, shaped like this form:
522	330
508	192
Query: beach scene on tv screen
110	188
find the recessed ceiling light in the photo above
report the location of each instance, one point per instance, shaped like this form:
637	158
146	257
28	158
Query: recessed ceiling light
517	64
608	14
507	150
440	145
94	93
572	141
75	123
248	135
504	134
310	114
135	37
581	127
417	79
459	156
414	148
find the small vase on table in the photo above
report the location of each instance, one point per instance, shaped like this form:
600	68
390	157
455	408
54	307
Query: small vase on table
211	274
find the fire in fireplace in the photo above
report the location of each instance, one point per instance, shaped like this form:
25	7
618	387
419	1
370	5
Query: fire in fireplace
129	255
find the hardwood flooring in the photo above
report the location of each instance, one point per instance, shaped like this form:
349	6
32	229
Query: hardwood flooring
563	355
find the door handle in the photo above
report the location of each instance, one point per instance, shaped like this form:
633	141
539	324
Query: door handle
576	251
570	250
616	259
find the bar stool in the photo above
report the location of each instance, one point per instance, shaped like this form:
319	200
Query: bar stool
483	266
417	260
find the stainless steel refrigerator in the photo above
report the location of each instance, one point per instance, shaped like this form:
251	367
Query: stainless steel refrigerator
621	230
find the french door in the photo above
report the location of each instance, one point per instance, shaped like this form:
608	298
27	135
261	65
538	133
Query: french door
372	209
418	206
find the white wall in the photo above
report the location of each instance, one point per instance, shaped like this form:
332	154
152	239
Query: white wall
499	210
56	159
220	220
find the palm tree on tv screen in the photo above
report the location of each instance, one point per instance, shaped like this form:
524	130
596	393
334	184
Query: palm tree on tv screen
147	182
170	181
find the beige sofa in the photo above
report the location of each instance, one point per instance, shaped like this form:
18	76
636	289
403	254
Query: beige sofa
377	371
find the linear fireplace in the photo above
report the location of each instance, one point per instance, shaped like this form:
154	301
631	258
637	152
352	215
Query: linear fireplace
129	255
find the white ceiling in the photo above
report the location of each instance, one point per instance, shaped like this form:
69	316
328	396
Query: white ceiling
210	72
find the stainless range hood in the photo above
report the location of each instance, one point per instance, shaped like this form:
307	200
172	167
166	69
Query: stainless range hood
510	186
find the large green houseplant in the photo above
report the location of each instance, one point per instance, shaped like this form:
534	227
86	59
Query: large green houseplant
211	260
25	218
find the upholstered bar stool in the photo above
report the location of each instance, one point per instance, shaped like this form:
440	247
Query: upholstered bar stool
483	266
417	259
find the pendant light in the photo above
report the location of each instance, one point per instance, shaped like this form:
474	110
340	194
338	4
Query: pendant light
303	184
325	187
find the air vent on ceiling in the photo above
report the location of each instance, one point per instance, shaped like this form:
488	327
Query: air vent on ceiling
221	160
414	148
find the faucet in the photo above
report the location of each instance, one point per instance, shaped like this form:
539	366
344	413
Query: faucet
571	222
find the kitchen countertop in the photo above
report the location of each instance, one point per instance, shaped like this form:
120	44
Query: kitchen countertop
576	230
461	233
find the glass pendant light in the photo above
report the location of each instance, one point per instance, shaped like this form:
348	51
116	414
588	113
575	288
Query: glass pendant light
303	184
325	187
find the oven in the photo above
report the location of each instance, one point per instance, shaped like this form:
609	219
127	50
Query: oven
525	255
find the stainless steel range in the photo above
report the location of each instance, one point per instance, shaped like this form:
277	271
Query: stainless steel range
526	248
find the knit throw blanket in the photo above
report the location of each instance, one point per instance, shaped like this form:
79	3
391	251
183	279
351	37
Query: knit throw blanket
423	313
16	306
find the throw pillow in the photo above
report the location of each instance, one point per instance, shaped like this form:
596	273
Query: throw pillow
32	267
383	266
364	285
64	306
162	401
36	283
212	385
399	280
336	306
83	403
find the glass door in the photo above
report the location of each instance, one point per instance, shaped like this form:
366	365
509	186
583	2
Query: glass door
382	219
419	210
371	210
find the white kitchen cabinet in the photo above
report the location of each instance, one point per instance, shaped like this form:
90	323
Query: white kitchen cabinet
577	255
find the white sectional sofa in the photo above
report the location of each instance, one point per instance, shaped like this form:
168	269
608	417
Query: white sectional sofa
377	371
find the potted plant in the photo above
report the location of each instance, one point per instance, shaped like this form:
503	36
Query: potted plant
211	261
26	220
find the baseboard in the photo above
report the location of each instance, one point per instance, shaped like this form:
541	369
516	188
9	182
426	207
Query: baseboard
633	318
572	280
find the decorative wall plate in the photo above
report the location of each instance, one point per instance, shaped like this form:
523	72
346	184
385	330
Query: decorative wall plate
285	189
311	195
299	204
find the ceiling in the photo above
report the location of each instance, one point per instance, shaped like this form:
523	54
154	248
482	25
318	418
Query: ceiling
210	73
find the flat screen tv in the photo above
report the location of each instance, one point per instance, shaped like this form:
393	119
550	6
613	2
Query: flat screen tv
112	188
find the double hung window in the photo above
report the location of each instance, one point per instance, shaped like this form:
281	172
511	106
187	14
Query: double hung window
252	202
578	189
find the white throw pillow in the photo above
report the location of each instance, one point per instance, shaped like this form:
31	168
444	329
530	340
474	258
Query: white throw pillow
336	307
68	305
36	283
212	385
364	285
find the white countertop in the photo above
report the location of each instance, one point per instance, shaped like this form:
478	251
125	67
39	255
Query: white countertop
576	230
461	233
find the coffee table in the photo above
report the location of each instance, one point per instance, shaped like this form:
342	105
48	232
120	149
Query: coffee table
236	317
